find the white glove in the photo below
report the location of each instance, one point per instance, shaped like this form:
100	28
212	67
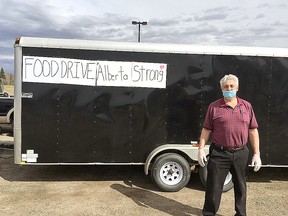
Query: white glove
202	157
256	162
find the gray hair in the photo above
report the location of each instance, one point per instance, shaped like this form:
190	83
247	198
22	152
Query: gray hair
229	77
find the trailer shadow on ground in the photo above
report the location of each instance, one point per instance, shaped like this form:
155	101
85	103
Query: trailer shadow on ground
148	199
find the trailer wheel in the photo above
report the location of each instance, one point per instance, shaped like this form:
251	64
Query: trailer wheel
12	125
170	172
228	184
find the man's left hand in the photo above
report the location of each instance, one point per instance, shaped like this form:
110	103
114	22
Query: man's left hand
256	162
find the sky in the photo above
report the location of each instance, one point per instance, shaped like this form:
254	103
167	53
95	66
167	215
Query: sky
257	23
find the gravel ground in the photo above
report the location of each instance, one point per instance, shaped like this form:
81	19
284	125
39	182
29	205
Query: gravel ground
121	190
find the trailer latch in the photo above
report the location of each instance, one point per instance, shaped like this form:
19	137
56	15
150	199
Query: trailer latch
27	95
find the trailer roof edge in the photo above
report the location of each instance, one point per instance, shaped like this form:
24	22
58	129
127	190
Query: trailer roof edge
151	47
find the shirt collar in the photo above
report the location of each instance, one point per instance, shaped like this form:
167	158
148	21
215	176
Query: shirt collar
239	102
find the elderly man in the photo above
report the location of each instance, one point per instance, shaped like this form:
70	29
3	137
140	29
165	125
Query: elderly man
229	122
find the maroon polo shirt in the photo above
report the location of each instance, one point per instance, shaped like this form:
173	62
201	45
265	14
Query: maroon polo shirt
229	127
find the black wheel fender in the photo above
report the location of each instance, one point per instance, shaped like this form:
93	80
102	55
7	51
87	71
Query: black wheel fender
170	172
6	94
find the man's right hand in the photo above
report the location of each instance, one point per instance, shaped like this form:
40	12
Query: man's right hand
202	157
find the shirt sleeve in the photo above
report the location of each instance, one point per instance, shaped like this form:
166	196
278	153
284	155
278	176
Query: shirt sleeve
253	122
208	123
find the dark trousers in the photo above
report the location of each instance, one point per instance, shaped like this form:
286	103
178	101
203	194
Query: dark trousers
219	164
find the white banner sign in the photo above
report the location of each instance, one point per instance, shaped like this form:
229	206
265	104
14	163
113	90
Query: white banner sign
93	72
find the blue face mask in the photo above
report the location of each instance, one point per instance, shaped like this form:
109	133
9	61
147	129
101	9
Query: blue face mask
229	94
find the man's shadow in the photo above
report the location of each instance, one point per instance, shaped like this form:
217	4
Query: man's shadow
148	199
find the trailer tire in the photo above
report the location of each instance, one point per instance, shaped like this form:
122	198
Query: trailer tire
171	172
12	125
228	184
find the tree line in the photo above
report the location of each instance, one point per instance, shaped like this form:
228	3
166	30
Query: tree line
7	78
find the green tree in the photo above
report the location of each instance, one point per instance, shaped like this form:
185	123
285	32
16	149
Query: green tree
11	79
2	74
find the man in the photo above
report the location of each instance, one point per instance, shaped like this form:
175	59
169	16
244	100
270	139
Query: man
229	122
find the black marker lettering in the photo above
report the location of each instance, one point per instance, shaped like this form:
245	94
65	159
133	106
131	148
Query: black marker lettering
139	74
69	66
34	68
63	71
121	73
125	77
76	69
88	70
161	75
47	68
100	71
53	62
27	64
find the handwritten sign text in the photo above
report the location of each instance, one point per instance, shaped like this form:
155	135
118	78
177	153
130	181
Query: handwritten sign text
93	72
